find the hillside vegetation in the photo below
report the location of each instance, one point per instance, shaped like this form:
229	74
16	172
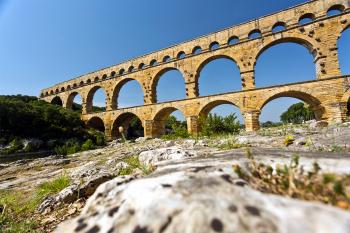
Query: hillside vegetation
26	117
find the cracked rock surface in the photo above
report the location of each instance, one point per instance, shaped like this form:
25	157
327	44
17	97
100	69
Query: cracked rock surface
202	195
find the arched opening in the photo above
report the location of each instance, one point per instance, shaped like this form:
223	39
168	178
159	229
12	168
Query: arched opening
153	62
170	121
121	71
197	50
343	51
220	117
233	40
306	18
57	101
290	107
104	77
167	59
169	85
141	66
285	110
279	26
127	93
335	10
214	45
113	74
181	55
273	67
96	123
218	75
131	69
96	100
129	124
74	102
96	79
254	34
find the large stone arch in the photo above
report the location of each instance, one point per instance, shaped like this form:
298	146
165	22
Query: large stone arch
156	78
96	123
301	94
90	97
160	117
205	62
119	86
70	99
308	43
123	120
57	100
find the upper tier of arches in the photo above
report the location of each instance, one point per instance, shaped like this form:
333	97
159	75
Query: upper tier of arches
302	18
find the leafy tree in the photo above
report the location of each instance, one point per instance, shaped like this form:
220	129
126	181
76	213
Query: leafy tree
297	113
215	124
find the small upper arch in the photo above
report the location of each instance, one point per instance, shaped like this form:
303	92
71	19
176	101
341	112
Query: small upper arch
214	45
254	34
181	55
335	10
131	69
153	62
196	50
113	74
104	77
306	18
233	40
96	79
121	71
167	59
141	66
279	26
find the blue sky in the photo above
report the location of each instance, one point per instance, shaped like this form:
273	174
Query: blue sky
45	42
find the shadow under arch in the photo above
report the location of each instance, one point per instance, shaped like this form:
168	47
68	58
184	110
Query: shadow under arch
57	101
309	99
118	87
125	120
96	123
160	119
90	97
156	79
70	100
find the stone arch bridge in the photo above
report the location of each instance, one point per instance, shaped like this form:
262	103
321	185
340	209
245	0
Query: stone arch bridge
308	24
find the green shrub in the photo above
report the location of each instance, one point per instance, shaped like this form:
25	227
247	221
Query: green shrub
70	147
88	145
214	124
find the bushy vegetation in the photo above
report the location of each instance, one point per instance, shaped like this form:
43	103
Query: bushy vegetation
133	164
175	129
293	181
215	124
23	117
270	124
297	114
17	208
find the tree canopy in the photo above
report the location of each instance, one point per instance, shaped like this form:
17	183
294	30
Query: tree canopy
297	113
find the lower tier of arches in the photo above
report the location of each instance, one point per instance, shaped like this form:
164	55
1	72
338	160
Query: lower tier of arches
328	99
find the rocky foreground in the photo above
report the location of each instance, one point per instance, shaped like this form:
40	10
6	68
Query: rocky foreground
224	184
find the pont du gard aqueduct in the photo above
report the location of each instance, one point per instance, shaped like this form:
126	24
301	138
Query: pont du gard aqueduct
308	24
